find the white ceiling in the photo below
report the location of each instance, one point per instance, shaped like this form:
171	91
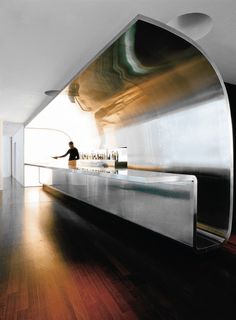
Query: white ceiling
44	43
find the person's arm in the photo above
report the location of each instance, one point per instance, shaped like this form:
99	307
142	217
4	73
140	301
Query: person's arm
64	155
77	154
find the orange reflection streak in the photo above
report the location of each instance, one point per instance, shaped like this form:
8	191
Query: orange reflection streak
145	72
150	96
37	224
39	279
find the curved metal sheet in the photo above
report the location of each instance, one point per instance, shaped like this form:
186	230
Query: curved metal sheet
156	93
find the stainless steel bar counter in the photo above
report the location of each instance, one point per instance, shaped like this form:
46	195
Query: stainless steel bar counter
162	202
154	96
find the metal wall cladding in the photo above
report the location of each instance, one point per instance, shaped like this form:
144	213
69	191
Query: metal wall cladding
157	94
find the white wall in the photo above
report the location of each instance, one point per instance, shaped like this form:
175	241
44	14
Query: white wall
6	156
1	155
18	155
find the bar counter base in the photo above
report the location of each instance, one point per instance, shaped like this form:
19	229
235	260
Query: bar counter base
116	226
102	218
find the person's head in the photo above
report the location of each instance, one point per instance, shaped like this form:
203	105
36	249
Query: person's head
71	144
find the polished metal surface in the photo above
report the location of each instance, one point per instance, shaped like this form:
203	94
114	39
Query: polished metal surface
156	93
120	174
162	202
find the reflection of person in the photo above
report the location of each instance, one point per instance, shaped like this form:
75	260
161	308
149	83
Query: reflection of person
74	155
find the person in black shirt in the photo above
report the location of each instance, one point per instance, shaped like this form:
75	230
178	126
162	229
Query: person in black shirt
74	155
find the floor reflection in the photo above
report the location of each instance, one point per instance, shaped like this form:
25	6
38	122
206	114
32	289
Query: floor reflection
62	262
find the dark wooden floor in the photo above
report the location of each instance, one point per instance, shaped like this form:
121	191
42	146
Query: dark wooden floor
56	263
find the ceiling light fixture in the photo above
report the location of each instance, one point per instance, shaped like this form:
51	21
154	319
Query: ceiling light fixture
195	25
52	93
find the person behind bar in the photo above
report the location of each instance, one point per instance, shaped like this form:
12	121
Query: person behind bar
74	155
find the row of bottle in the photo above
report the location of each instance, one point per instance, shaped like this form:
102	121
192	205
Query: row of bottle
111	155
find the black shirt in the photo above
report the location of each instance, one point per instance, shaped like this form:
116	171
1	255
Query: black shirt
74	154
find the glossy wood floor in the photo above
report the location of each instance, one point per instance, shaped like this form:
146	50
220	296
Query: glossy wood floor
60	263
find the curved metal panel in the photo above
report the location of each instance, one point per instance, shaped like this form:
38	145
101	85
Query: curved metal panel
157	94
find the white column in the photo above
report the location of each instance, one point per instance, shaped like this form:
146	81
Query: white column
1	155
6	171
18	155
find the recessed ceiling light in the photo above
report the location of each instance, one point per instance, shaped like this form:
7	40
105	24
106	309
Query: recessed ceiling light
194	25
52	93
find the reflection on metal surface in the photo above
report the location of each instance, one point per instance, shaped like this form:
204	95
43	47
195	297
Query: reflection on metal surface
131	80
162	202
156	93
